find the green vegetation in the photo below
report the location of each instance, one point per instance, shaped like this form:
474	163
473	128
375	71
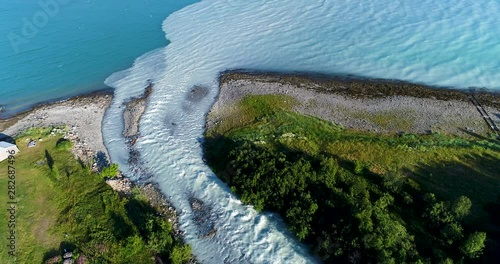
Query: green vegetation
63	144
361	197
110	172
473	246
61	205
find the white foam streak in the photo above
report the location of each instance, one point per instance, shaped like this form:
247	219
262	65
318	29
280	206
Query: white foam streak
448	43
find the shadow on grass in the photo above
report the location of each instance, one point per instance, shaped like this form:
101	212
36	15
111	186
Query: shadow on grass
55	255
121	229
50	160
476	177
493	242
487	142
138	212
52	256
476	135
59	141
81	163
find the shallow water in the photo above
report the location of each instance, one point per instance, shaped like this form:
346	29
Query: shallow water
453	43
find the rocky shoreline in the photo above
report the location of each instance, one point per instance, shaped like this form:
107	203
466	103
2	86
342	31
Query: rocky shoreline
370	105
359	87
82	115
133	113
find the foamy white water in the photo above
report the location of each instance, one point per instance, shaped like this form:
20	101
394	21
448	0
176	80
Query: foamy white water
445	43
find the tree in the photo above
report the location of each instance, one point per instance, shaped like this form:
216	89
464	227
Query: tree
451	232
438	213
159	235
63	144
461	207
393	182
327	171
180	254
446	261
474	245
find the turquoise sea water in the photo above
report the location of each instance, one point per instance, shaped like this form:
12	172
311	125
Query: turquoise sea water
69	47
54	49
442	43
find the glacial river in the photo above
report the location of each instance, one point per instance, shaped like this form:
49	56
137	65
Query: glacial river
443	43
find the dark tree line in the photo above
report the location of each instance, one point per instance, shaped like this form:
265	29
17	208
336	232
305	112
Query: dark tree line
347	213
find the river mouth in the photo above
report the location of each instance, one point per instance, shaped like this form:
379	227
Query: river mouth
210	37
167	150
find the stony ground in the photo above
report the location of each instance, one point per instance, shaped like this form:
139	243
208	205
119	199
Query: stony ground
134	109
82	115
369	110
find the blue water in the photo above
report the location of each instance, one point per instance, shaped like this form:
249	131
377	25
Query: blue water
443	43
76	48
81	42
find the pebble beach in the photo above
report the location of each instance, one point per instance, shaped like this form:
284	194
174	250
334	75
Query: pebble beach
367	105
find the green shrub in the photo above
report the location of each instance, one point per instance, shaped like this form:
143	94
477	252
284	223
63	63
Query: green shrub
63	144
358	167
35	132
133	251
461	206
110	171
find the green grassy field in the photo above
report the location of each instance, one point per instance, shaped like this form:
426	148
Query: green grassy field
62	205
447	166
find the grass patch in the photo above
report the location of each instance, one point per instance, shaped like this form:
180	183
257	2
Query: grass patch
386	119
62	205
249	110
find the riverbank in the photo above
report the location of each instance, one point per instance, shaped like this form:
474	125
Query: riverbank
379	160
79	120
379	106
